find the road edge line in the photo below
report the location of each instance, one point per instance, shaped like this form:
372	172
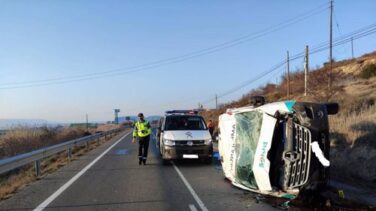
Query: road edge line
189	187
59	191
192	207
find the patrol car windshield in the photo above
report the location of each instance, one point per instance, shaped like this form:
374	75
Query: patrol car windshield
184	123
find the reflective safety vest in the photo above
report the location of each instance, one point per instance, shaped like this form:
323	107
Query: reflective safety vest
141	129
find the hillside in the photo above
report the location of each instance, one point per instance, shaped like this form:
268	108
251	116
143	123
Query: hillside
353	129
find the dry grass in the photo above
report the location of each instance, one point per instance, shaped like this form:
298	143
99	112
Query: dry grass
353	145
354	125
12	182
106	127
23	139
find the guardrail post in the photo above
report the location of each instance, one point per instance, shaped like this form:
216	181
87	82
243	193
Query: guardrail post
69	154
37	168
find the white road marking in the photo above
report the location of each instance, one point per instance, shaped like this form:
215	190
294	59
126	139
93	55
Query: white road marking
192	207
194	194
73	179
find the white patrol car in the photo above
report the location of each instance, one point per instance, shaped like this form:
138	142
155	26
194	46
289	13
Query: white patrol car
183	134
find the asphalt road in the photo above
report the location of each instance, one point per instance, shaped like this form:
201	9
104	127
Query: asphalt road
109	178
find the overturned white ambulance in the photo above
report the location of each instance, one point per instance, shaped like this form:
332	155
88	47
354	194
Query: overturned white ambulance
278	148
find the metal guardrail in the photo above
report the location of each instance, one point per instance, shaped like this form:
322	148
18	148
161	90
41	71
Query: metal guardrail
36	156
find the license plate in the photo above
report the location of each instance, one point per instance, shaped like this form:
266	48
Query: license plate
190	156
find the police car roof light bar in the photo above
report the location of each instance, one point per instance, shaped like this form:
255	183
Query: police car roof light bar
182	112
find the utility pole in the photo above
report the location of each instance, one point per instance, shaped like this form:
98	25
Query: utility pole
352	48
87	123
306	69
288	75
330	47
216	102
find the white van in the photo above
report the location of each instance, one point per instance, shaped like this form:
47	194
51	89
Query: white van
183	134
278	148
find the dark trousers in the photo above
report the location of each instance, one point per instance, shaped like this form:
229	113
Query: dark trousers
143	146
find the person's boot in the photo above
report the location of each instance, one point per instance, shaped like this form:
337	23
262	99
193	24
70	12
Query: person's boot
144	161
139	162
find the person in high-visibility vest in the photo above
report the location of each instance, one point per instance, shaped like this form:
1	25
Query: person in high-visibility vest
142	131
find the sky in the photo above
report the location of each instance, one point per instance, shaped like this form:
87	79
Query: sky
61	60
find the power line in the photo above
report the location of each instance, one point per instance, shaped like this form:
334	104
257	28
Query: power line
325	44
365	31
246	83
339	31
357	34
337	24
346	40
168	61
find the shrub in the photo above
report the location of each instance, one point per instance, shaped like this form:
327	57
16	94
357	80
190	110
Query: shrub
24	139
368	71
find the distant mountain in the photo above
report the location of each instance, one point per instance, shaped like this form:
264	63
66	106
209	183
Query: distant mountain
6	124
